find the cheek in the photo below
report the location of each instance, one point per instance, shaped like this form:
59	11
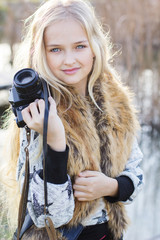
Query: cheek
88	61
52	62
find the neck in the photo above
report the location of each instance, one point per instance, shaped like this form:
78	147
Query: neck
81	88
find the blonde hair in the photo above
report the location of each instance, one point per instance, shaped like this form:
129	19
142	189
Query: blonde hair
32	54
32	50
9	187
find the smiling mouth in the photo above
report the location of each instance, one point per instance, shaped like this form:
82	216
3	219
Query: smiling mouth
70	71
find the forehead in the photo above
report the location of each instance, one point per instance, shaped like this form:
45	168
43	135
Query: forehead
63	31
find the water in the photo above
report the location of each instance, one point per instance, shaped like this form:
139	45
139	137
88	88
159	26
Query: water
145	211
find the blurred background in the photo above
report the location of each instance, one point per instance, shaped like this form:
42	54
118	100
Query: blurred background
134	27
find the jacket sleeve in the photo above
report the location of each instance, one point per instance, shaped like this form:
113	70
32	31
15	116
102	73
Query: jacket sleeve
131	179
60	193
133	172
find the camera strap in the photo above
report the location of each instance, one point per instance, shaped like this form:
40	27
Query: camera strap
48	222
24	196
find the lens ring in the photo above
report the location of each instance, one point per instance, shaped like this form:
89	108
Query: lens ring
25	77
27	82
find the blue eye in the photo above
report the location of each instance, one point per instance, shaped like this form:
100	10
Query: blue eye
80	46
55	50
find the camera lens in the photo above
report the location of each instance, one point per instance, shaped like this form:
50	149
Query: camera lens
25	78
27	82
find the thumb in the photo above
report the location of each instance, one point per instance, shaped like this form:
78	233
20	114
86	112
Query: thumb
52	106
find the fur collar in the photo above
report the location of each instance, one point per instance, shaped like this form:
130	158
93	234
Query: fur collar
101	140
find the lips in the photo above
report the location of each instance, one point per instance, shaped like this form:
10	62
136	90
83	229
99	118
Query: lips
70	71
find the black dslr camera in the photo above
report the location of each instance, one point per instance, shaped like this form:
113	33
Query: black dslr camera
27	87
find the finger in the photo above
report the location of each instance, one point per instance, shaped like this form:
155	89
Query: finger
52	107
36	100
41	107
81	181
81	196
34	110
51	101
80	188
88	173
26	115
83	199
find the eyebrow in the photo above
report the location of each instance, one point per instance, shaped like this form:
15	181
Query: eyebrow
53	45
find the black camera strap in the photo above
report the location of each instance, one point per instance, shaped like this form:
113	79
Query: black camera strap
48	222
23	201
45	126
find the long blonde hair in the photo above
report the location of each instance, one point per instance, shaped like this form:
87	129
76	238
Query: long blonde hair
9	190
31	54
32	50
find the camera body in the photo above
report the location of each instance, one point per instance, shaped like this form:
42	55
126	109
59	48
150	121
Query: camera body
27	87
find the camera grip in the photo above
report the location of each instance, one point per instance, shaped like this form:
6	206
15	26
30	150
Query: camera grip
19	118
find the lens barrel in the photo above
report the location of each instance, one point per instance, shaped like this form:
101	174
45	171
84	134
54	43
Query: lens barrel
27	82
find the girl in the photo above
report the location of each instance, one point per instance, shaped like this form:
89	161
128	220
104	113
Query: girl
93	157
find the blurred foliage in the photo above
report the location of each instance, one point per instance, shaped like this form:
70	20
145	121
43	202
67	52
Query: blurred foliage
2	15
5	2
134	27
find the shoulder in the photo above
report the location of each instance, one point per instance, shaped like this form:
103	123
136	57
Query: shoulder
118	103
116	89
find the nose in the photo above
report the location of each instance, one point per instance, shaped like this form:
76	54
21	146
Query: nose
69	58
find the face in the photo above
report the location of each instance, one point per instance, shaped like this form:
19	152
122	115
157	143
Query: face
68	53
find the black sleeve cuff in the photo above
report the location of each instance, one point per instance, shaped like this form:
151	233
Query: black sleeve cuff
56	166
125	190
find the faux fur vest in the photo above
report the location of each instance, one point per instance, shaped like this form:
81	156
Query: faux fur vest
101	140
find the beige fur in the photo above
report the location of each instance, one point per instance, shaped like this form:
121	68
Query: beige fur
101	141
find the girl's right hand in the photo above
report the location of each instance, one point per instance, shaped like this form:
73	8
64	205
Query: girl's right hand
33	115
